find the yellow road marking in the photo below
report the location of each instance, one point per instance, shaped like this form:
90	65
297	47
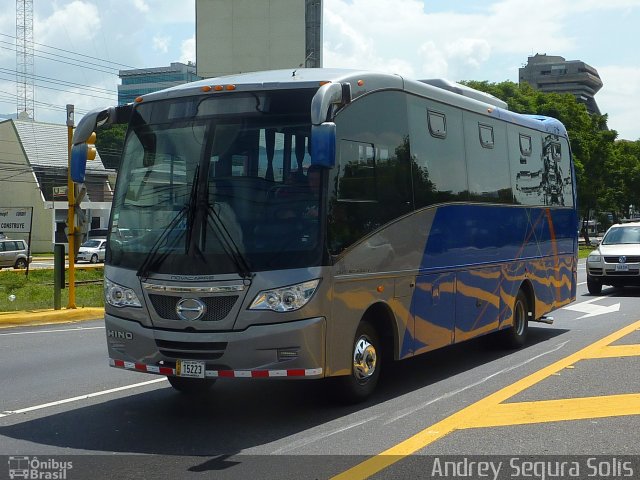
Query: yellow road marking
471	415
544	411
611	351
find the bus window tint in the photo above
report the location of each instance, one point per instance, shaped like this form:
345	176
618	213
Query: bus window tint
487	159
371	184
438	167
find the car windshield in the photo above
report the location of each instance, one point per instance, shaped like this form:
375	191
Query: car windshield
622	235
218	185
91	244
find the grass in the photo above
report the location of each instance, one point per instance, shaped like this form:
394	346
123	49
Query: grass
584	251
35	292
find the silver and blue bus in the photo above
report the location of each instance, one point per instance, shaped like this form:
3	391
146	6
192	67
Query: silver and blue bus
315	223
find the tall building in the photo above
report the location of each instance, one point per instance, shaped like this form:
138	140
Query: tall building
554	74
141	81
235	36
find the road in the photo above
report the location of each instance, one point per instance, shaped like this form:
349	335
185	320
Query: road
573	390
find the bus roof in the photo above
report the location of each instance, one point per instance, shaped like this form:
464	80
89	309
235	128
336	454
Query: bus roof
364	82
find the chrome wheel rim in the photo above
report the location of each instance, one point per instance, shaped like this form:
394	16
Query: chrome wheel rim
364	359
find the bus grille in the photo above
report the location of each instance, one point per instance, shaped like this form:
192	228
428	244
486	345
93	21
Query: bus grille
217	307
191	350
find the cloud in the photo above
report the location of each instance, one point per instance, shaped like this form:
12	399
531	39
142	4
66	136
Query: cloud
161	44
141	6
621	95
77	22
188	50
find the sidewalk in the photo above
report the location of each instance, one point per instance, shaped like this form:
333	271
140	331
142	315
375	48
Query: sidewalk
49	316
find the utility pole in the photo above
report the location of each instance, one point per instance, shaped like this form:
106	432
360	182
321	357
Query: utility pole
71	220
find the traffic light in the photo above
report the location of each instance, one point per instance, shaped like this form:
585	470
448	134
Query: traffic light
80	153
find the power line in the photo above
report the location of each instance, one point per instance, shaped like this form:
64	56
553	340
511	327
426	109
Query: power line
74	53
61	82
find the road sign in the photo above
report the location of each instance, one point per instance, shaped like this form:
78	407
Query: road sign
16	219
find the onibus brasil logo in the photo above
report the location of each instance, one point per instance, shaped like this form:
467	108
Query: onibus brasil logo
34	468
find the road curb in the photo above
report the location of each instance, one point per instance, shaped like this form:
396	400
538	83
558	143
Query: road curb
43	317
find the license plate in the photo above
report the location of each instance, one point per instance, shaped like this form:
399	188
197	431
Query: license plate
190	368
622	267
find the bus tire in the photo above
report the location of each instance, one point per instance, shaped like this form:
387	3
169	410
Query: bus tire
365	366
191	386
516	335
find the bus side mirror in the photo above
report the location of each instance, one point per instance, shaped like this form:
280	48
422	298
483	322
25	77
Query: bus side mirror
323	144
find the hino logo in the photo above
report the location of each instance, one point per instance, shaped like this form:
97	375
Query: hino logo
119	334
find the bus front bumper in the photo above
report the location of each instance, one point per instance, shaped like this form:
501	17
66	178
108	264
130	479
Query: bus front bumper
285	350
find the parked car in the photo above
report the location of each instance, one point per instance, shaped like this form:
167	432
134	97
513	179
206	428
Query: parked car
92	251
616	261
14	253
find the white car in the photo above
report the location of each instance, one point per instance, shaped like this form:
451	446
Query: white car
92	251
616	261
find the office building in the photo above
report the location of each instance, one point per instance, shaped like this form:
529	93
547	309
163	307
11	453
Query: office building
141	81
554	74
235	36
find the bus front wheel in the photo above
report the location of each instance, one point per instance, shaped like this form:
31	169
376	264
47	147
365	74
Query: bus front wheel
365	366
191	386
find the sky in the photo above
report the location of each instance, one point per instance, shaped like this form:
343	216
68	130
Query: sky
80	45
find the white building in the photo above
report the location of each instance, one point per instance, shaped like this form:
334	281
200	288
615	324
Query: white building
33	173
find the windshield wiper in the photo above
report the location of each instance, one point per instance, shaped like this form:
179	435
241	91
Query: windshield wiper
228	243
154	259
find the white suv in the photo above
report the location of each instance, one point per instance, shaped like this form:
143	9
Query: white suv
14	253
616	261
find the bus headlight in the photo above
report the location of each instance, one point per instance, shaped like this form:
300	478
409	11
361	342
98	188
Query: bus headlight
285	299
119	296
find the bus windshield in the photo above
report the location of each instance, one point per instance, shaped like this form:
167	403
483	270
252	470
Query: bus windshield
211	185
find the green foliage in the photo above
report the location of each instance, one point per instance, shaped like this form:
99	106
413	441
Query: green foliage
109	143
35	292
607	169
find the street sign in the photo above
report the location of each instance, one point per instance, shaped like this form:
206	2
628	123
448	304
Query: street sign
60	192
15	219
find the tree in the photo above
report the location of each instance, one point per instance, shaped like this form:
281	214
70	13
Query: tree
109	143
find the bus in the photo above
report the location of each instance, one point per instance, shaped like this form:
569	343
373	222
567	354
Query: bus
316	223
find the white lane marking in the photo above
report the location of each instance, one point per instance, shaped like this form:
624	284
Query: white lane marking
581	283
411	410
321	436
76	329
590	310
81	397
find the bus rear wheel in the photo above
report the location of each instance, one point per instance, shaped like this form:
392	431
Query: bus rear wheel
365	366
191	386
516	336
